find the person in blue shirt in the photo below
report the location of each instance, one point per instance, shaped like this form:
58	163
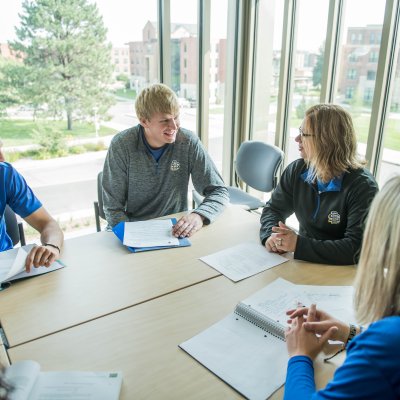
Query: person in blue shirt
15	193
371	369
328	189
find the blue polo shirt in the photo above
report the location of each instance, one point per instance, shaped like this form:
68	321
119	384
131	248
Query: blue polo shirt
15	192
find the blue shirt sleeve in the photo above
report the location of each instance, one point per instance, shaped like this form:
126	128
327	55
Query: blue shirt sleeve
300	382
20	196
370	371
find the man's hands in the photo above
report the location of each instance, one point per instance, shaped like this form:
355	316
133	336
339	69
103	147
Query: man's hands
282	240
41	256
188	225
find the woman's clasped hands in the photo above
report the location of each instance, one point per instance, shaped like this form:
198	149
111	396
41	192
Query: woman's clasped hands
310	329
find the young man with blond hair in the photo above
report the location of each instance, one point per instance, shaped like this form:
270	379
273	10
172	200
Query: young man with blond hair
147	169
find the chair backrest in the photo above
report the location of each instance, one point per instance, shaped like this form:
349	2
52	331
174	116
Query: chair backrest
257	164
100	194
11	225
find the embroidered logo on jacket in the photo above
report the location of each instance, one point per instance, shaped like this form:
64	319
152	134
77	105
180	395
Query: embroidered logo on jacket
334	217
175	165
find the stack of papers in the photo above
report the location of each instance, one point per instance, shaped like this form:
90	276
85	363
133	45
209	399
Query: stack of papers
148	235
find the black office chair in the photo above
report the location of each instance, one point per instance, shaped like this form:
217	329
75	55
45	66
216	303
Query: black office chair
256	165
98	205
14	228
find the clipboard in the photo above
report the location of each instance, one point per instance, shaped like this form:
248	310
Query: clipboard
119	230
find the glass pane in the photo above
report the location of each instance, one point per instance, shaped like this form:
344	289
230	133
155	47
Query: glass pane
390	163
266	83
140	39
308	60
184	59
218	39
358	61
128	53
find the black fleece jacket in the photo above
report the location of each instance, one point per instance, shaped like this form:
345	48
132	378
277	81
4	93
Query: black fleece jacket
331	222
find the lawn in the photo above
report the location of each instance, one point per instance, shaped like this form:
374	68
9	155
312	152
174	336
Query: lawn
18	132
129	94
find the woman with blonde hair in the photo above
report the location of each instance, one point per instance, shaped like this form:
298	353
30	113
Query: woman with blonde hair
327	188
372	367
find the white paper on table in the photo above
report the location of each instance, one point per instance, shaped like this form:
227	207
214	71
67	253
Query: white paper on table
31	384
151	233
12	265
281	295
244	260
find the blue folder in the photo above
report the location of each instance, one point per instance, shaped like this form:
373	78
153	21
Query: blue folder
119	232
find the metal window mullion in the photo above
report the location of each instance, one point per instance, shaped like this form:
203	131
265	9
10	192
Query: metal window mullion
383	84
203	76
164	41
331	52
286	74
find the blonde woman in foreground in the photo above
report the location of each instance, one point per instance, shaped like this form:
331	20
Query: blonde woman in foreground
372	366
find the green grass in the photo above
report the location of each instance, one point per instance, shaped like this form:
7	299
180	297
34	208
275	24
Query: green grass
126	93
18	132
41	154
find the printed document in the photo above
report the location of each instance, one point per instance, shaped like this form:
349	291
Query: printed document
31	384
12	265
150	233
244	260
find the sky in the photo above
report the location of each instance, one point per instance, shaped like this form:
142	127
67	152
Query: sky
125	19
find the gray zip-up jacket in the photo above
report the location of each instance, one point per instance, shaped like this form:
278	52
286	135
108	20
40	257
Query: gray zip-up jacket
136	187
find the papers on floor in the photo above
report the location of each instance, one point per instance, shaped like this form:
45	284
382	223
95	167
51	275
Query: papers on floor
12	265
149	234
31	384
247	349
244	260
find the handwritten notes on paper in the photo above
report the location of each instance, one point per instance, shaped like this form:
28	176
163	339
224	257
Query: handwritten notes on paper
149	234
244	260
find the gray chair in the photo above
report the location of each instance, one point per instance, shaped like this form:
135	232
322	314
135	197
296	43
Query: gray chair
14	228
256	165
98	205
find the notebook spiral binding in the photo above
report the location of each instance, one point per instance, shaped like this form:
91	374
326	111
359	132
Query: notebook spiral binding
260	320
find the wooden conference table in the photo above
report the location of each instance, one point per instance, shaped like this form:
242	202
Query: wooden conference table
142	340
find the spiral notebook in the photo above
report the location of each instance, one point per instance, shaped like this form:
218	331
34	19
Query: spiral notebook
247	349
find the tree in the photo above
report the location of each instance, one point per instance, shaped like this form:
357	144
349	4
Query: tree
11	81
67	59
125	79
317	70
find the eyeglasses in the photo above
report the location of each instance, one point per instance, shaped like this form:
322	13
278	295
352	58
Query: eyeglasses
303	134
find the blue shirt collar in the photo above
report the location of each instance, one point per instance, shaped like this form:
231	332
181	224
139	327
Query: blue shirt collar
156	153
334	185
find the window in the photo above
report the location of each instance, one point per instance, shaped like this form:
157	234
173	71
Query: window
357	97
349	92
371	75
372	38
309	63
373	56
351	74
368	93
